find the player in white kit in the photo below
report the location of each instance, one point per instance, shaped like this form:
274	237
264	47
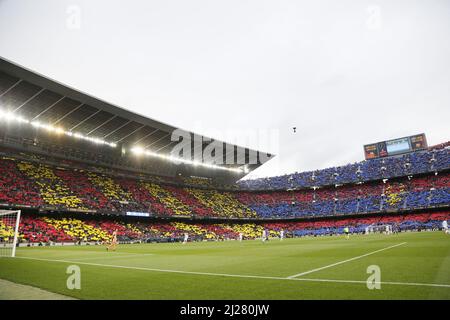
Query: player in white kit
445	226
186	237
241	236
281	235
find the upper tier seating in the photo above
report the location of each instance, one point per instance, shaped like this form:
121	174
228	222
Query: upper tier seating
222	203
169	200
53	190
403	194
15	188
374	169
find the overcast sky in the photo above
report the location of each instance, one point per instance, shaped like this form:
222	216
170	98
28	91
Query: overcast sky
345	73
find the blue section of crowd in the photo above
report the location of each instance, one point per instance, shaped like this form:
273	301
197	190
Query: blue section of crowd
374	169
406	200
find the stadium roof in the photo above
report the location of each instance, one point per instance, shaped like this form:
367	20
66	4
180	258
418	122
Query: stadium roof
37	98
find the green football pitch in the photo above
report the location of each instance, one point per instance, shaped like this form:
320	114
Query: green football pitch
411	265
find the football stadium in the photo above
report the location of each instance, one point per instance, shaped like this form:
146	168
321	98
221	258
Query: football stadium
135	219
111	190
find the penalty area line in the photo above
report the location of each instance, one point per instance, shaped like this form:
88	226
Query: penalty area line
236	275
344	261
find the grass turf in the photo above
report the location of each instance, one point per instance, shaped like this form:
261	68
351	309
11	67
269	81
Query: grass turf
129	273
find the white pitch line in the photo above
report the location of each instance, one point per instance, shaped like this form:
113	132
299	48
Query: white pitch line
344	261
53	250
236	275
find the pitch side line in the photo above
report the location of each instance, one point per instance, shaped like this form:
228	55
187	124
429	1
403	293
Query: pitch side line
49	250
344	261
237	275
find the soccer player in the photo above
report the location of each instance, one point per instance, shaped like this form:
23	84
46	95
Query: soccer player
241	236
264	237
388	229
186	237
347	233
445	226
281	235
113	244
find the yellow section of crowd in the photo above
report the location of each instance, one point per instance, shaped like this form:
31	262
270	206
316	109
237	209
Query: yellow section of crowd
167	198
394	195
6	232
249	230
133	228
194	229
78	229
109	188
223	203
52	189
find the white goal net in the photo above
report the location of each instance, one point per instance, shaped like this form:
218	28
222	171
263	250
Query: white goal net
9	232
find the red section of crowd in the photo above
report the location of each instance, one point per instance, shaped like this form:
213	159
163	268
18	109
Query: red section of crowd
36	230
15	188
191	201
80	185
143	197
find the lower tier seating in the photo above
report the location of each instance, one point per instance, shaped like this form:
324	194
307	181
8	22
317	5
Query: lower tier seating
44	229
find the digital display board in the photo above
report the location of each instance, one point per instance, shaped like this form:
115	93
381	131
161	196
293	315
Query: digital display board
395	146
398	146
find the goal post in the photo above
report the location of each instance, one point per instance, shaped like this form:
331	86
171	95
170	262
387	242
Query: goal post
9	232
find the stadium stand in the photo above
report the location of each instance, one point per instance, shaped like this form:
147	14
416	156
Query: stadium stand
222	203
78	230
374	169
6	231
78	182
16	188
37	185
164	196
35	230
52	189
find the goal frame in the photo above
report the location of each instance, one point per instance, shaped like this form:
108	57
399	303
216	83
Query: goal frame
16	228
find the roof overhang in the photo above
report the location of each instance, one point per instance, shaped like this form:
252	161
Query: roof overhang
38	99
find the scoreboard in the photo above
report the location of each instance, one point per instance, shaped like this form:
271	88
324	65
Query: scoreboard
395	146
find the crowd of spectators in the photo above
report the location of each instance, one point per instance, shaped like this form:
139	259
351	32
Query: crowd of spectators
15	188
36	185
44	229
168	199
79	230
401	194
51	189
399	223
222	203
374	169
